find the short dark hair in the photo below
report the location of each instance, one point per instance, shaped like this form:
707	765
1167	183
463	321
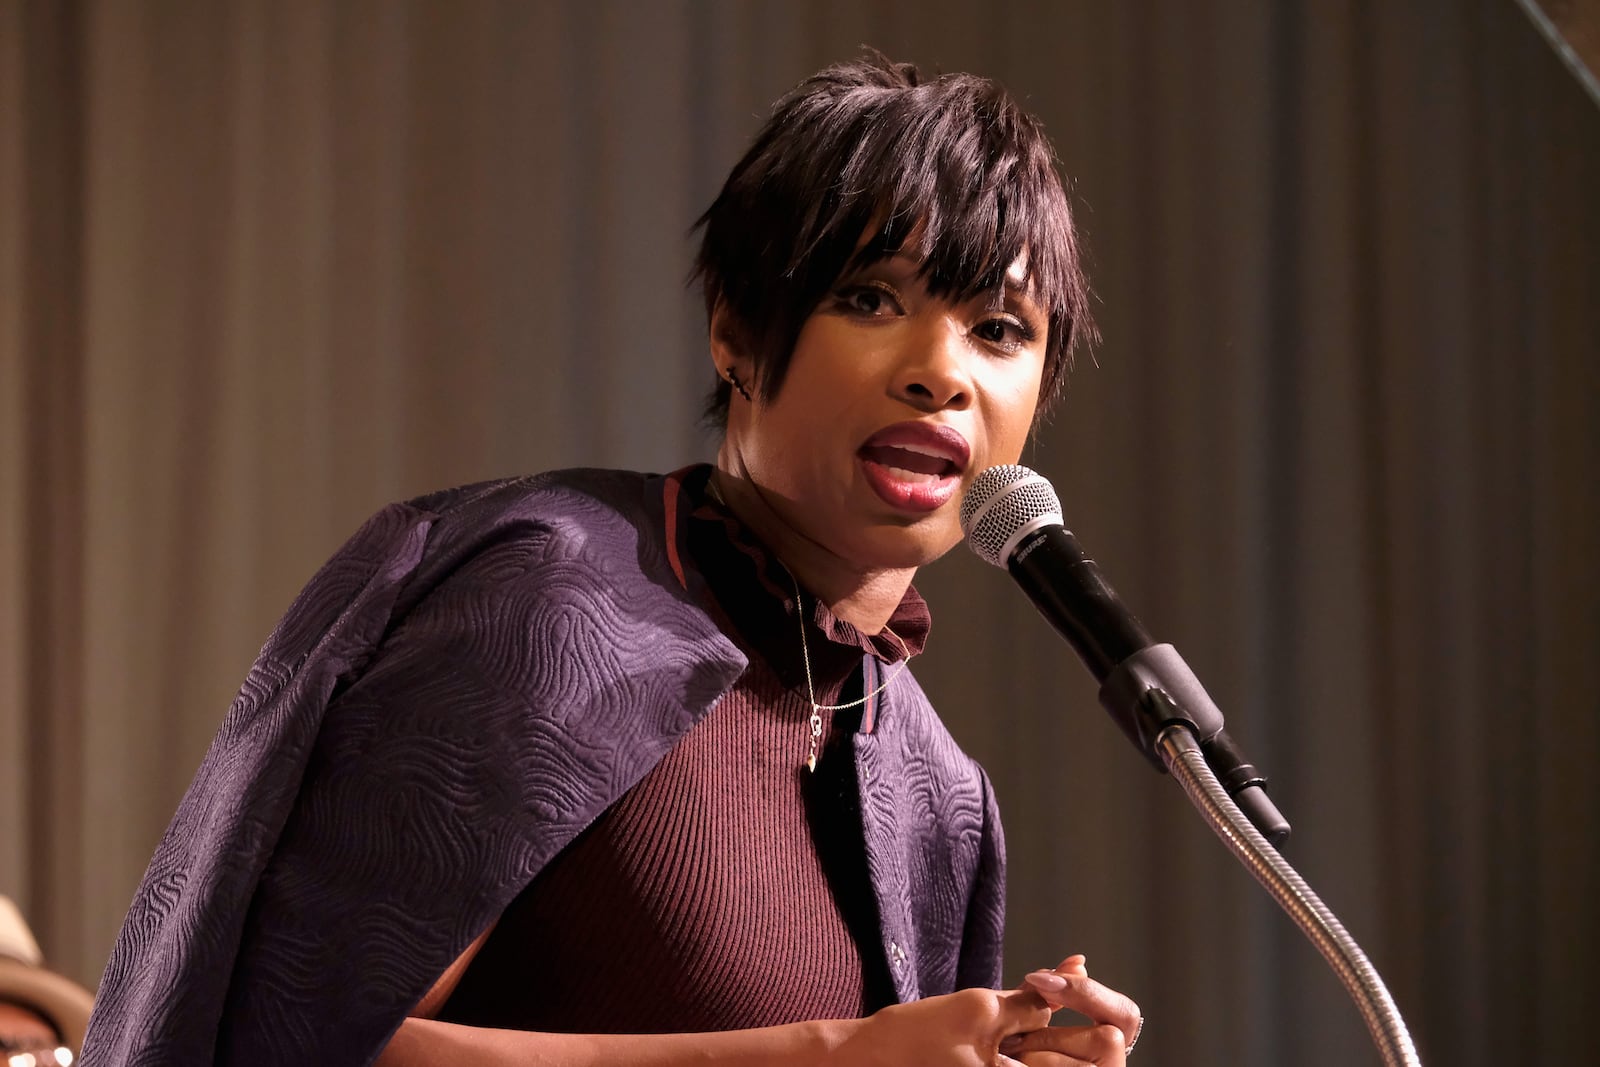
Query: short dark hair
952	162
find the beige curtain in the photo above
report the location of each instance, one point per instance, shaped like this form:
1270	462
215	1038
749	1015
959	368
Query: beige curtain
265	266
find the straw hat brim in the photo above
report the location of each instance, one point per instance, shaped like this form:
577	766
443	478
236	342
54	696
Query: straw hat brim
61	1000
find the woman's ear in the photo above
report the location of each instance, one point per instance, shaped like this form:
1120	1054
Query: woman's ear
728	349
727	338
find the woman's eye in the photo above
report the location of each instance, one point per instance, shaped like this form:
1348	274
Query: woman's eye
868	300
1006	332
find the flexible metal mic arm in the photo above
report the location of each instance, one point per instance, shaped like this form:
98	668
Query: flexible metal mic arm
1012	519
1181	754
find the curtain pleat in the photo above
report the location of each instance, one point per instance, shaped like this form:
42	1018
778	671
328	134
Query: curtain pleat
266	266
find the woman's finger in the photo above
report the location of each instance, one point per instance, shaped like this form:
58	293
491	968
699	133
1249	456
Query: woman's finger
1099	1003
1048	1059
1045	1059
1021	1010
1048	984
1102	1045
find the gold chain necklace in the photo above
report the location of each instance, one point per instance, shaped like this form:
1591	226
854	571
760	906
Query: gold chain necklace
811	689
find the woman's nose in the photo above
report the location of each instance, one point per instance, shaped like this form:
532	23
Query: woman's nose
933	372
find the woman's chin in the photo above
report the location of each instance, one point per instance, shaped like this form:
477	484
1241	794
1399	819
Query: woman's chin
917	545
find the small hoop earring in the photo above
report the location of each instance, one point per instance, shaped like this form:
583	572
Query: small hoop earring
733	380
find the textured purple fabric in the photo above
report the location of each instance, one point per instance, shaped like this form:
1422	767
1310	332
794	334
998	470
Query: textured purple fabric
464	687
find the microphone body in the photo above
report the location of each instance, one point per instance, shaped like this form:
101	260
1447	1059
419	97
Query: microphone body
1069	591
1012	518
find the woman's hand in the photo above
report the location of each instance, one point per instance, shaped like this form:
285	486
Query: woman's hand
1115	1021
982	1027
961	1029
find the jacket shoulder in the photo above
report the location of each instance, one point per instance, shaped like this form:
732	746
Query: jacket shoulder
578	517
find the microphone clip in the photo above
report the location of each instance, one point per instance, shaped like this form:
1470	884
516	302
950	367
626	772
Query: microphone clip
1154	689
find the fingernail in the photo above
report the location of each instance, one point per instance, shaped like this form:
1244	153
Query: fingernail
1046	981
1075	963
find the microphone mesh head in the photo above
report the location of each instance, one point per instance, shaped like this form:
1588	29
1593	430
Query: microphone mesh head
1002	503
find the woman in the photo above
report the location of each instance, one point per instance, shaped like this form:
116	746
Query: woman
599	767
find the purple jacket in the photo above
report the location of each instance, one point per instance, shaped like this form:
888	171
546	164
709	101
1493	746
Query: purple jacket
467	684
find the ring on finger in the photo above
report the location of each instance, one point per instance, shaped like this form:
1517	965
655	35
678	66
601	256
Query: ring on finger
1138	1031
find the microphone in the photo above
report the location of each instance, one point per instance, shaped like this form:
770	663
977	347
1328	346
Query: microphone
1011	517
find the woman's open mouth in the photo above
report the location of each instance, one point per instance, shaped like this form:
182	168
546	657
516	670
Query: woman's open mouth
914	466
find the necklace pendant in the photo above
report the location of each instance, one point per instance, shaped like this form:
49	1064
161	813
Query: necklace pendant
811	762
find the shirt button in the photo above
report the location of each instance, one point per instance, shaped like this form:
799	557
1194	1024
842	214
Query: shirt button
896	953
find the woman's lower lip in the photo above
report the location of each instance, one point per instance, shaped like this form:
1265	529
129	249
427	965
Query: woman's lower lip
898	489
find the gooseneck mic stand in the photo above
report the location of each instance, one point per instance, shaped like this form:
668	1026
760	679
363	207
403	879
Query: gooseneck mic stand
1188	739
1159	703
1184	759
1012	518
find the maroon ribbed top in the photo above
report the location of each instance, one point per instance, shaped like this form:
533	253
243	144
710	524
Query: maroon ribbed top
728	888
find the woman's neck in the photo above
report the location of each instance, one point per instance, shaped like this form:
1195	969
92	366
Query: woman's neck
866	599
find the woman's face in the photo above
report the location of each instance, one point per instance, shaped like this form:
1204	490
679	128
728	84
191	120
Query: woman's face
893	402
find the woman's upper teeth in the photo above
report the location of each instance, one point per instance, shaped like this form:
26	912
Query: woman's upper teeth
935	453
